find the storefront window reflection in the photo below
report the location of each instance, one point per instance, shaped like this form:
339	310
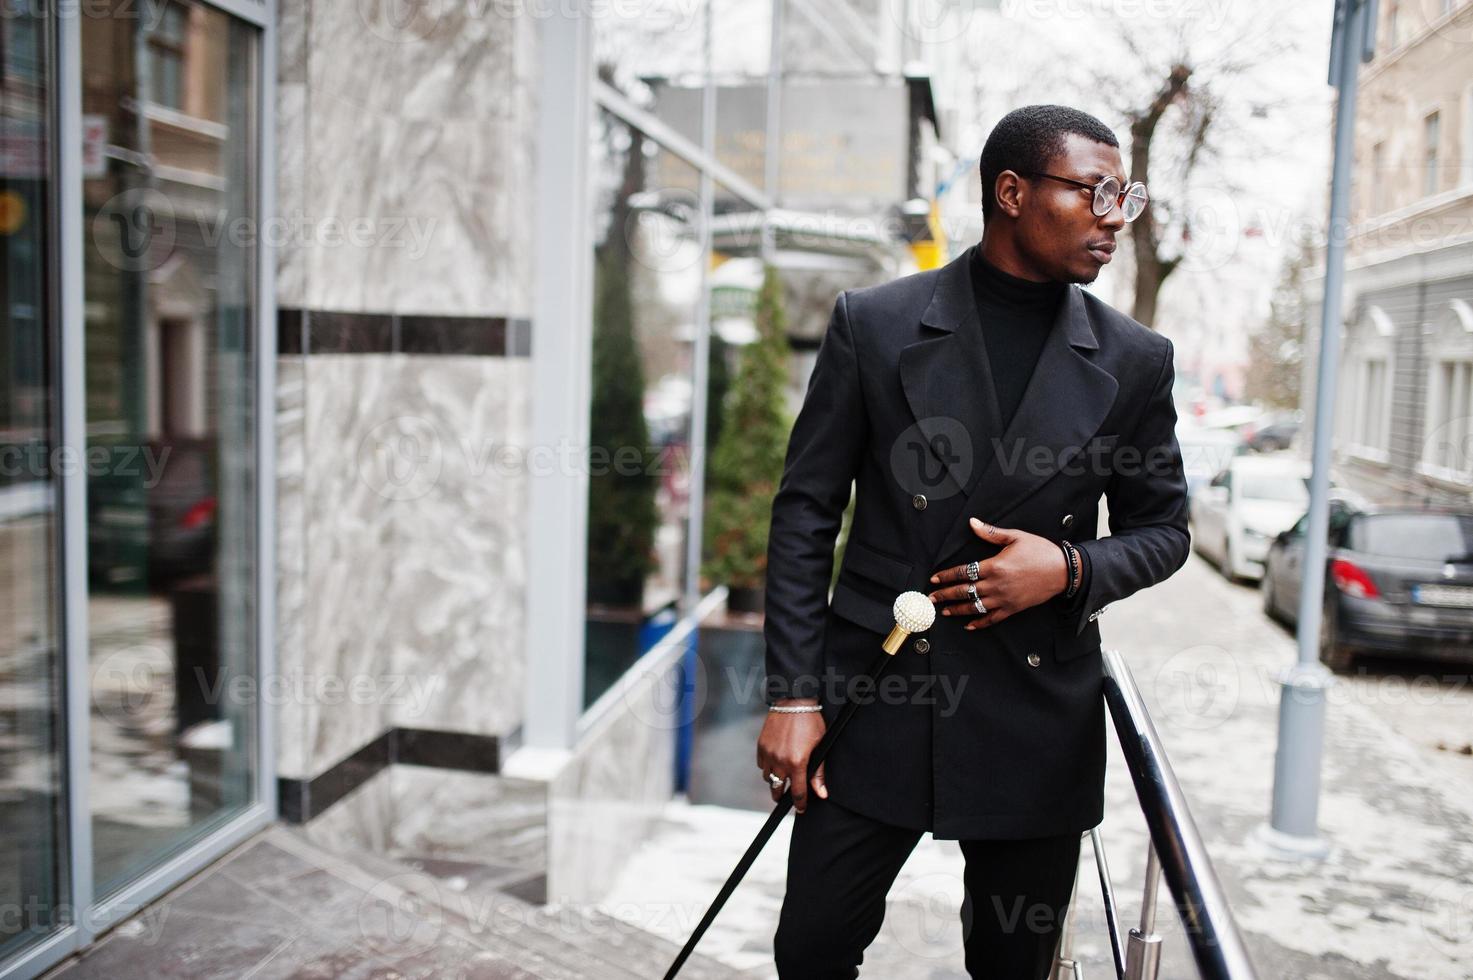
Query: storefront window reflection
647	279
32	801
170	284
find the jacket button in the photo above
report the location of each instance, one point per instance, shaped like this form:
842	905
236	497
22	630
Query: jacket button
1068	520
922	645
918	501
1034	660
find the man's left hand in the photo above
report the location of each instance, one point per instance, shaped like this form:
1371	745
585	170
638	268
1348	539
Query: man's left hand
1027	571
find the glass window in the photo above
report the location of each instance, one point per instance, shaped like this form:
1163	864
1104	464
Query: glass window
169	298
1434	537
32	801
166	49
653	55
1283	489
647	280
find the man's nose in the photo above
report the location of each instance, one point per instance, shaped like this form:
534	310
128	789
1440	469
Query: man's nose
1114	219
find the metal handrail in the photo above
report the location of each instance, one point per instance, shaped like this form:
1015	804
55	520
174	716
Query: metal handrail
1176	850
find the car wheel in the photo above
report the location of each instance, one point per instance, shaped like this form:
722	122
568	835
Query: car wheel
1333	654
1227	559
1270	608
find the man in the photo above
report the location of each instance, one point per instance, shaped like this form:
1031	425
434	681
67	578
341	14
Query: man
981	409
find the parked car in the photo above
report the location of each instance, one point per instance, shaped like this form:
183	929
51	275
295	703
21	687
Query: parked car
145	533
1204	452
1399	582
1276	434
1244	506
1283	565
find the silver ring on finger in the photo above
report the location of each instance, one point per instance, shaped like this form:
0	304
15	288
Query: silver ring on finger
972	592
981	609
974	571
774	779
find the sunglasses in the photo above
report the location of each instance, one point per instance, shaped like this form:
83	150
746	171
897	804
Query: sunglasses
1132	198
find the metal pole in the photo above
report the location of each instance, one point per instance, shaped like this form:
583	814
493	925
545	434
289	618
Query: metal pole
562	303
1302	696
1143	955
772	145
702	348
1065	966
696	439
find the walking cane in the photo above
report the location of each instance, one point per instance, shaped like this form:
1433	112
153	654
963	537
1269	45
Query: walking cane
914	613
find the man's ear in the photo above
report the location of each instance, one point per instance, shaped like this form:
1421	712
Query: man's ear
1008	194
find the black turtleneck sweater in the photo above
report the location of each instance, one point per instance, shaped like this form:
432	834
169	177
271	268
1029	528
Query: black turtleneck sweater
1016	316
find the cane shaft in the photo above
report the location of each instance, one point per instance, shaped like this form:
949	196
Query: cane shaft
784	804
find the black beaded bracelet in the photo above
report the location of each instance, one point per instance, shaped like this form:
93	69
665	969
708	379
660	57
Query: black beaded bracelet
1072	558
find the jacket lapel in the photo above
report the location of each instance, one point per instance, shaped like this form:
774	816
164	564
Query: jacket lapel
948	380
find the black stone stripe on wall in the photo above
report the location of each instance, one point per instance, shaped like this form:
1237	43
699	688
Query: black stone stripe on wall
299	800
328	332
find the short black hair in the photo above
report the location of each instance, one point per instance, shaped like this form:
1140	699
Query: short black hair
1029	139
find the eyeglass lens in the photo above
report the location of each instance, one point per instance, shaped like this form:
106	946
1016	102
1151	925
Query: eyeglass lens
1108	192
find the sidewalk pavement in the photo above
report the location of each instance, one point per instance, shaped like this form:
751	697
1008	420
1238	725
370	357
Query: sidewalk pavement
1393	899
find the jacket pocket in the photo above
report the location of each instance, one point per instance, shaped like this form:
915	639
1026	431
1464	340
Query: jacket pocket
868	583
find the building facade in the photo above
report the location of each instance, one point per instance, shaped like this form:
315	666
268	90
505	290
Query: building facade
1405	389
329	328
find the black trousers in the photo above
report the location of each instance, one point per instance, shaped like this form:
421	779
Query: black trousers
840	868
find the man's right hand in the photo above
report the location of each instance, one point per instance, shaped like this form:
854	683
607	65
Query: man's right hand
783	748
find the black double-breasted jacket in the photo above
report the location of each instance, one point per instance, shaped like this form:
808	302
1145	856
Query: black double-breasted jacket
998	732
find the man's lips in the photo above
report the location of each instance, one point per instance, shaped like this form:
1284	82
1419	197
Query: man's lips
1102	250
